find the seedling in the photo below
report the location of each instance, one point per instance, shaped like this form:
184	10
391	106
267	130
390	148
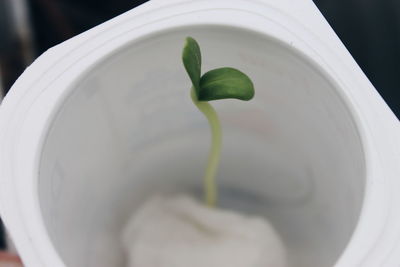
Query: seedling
221	83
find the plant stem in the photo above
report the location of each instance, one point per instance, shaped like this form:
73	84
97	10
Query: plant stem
210	185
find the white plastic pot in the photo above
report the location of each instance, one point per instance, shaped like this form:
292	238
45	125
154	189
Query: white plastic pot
103	120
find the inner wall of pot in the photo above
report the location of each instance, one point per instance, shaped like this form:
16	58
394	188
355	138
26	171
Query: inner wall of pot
129	130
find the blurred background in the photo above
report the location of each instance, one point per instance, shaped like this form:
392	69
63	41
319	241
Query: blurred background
370	29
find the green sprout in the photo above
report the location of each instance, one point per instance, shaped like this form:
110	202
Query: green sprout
221	83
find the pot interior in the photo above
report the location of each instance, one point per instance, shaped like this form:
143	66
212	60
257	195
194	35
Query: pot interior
128	130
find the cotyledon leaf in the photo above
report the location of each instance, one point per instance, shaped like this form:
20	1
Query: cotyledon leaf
225	83
221	83
191	57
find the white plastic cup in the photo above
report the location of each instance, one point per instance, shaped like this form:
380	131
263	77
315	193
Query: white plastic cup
104	120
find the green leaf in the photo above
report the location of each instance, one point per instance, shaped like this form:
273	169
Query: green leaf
225	83
191	57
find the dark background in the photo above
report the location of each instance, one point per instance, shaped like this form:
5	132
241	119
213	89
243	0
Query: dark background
370	29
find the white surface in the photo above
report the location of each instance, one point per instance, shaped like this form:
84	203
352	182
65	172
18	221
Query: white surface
1	87
321	145
178	231
294	147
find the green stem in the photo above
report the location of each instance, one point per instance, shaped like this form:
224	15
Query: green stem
210	185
